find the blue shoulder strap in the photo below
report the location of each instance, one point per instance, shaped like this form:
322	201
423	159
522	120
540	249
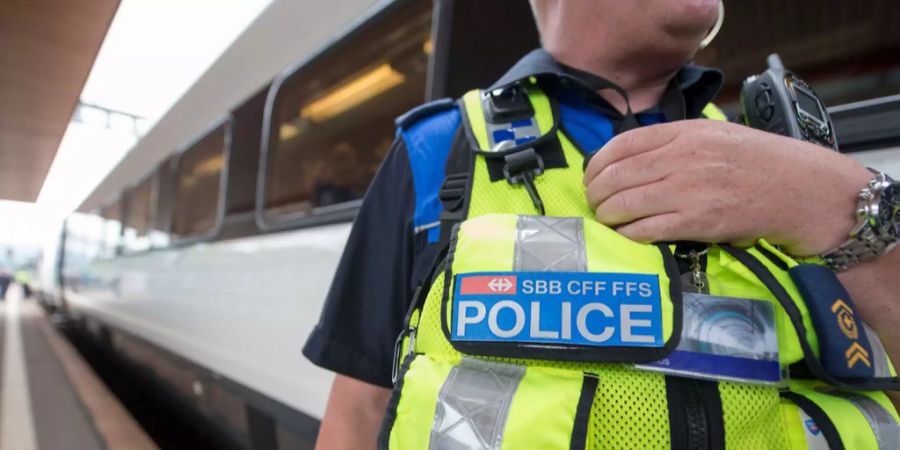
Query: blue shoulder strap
428	132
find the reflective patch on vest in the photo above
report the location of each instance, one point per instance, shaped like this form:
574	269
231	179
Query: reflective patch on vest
815	438
473	405
725	338
885	428
502	136
879	355
563	308
550	244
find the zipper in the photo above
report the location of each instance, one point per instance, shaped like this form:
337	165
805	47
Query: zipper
695	414
686	395
697	420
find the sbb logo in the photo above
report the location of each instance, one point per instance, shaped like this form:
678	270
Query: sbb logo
488	284
500	284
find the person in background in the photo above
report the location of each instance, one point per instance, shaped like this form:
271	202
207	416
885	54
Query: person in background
5	280
23	279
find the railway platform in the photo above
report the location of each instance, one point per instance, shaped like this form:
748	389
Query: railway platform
50	399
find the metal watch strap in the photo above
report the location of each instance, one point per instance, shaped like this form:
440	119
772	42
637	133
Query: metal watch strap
864	246
865	242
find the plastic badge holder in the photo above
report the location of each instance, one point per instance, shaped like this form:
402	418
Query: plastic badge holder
725	338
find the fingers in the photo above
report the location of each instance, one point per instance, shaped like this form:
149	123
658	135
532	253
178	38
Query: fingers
629	173
663	227
630	143
637	203
684	226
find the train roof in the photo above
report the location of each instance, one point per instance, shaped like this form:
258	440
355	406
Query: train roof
284	33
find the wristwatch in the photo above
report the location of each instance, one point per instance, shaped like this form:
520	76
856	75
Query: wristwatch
877	229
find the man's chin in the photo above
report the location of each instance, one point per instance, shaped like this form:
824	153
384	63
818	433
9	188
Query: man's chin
690	18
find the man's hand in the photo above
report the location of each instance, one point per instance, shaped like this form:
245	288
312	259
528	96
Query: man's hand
711	181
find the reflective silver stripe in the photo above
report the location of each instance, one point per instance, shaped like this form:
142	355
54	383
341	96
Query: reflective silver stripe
473	405
511	133
879	356
550	244
886	429
427	226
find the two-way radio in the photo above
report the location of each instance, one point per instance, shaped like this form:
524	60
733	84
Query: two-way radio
778	101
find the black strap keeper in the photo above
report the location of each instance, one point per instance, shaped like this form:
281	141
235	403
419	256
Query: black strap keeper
525	161
453	191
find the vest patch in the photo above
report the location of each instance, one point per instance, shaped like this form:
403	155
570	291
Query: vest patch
565	308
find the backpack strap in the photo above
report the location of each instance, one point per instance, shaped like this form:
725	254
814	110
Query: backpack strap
457	186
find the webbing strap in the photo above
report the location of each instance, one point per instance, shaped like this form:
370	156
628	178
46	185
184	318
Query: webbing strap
455	190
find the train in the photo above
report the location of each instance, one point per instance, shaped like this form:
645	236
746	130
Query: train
204	257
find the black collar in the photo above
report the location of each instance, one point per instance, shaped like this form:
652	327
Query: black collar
692	88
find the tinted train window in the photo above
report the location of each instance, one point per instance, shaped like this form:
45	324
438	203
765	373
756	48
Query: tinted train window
136	237
162	205
112	228
83	243
198	181
332	120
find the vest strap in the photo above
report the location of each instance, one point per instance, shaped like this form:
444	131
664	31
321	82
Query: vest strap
456	188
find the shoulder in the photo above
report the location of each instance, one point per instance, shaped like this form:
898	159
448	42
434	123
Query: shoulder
425	110
427	133
428	128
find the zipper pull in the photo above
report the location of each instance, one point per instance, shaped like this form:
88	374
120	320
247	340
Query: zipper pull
695	280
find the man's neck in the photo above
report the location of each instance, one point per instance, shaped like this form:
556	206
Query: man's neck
645	84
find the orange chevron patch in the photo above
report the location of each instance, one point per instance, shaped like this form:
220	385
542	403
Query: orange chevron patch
856	353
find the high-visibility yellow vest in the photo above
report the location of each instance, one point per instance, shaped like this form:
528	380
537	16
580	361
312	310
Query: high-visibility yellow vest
452	393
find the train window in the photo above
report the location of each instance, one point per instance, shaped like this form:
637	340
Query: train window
139	208
162	206
243	164
198	185
83	242
331	121
112	228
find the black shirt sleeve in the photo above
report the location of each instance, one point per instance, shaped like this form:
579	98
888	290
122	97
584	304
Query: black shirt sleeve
367	302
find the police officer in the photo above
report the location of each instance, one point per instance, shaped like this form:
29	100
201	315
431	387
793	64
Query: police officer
23	279
618	71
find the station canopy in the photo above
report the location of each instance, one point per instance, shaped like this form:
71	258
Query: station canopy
47	48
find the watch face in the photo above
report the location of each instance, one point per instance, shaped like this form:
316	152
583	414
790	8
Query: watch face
889	210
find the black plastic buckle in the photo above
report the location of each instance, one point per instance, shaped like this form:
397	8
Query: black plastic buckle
453	191
507	105
523	167
520	163
398	351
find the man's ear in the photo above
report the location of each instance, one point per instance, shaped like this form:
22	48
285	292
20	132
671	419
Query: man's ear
712	31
